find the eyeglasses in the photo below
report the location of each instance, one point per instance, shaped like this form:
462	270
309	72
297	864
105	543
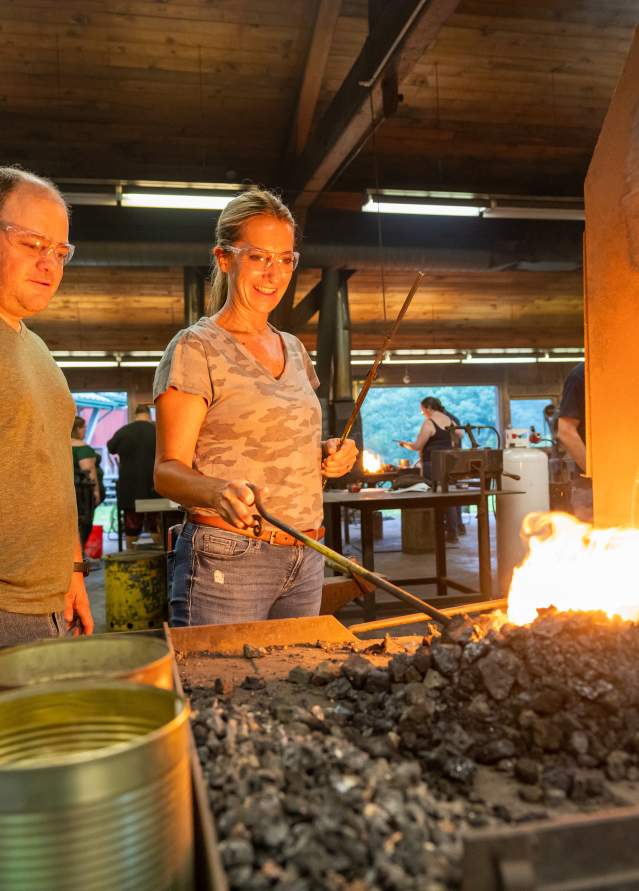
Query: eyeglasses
37	245
261	260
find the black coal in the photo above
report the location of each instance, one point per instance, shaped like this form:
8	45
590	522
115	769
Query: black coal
375	789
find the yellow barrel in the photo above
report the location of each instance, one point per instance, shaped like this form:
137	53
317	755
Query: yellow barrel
135	589
95	789
139	658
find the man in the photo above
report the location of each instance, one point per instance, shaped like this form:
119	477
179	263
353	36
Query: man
42	591
571	432
135	446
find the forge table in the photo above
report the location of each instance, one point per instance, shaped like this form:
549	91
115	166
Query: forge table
369	500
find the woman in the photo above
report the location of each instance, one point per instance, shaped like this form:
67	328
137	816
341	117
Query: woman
85	475
433	435
236	407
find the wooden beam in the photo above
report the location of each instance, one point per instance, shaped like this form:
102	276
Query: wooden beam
404	30
318	50
304	311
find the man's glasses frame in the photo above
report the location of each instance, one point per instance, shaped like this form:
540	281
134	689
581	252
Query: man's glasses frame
34	243
258	258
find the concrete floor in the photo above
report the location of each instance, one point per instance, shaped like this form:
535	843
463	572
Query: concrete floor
389	561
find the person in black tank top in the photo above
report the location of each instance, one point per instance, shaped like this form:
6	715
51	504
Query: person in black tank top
432	436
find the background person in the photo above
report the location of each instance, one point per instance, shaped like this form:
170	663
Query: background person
42	591
85	478
134	444
571	432
433	434
236	406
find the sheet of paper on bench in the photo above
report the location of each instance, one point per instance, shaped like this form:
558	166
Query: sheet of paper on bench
416	487
155	505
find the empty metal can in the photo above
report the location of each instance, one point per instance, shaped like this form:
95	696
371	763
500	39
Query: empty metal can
95	789
139	658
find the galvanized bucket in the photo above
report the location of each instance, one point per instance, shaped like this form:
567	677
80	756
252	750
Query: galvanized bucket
139	658
135	590
95	789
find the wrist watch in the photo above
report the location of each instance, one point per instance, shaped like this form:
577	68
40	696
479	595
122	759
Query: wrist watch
83	566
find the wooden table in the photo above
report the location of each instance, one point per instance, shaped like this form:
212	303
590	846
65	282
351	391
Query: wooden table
368	500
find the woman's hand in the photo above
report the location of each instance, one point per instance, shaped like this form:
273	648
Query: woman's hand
235	502
338	460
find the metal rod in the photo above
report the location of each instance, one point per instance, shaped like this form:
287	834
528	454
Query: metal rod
450	611
350	568
379	358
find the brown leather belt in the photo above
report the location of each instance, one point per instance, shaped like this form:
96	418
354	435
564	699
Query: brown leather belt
274	536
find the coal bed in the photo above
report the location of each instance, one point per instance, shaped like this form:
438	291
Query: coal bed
363	766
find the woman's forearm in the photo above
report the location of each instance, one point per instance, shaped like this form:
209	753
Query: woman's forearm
174	480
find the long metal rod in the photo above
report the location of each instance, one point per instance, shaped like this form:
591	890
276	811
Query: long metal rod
379	358
350	568
483	606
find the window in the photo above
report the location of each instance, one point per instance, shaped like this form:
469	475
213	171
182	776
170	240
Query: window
392	413
527	413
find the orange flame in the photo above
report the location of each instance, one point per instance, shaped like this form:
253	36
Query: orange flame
572	566
371	462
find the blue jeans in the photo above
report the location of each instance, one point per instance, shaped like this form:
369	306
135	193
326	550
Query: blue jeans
221	577
19	628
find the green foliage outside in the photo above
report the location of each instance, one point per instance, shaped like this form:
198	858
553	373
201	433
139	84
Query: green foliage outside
529	413
391	413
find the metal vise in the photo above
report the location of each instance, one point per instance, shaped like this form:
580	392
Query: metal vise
461	465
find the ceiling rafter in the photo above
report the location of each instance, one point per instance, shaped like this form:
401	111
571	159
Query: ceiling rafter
316	58
398	38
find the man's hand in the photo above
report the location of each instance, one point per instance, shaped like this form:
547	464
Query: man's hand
338	460
76	607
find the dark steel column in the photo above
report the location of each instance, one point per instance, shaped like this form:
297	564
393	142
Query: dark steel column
194	293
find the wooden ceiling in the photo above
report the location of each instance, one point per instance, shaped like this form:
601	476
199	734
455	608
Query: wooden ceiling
494	96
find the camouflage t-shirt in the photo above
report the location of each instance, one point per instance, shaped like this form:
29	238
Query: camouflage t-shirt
257	427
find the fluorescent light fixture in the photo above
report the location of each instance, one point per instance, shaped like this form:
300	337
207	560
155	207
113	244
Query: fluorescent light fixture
175	200
533	213
499	360
435	210
424	361
94	199
146	354
142	363
425	352
90	363
467	204
571	359
85	354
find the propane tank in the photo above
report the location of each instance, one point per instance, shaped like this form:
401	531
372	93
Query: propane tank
531	466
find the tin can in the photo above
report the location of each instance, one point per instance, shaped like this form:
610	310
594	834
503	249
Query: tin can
138	658
95	789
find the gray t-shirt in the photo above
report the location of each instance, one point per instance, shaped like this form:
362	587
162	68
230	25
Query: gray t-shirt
38	517
257	427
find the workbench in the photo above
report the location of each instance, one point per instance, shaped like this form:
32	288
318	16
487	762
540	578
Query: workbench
369	500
